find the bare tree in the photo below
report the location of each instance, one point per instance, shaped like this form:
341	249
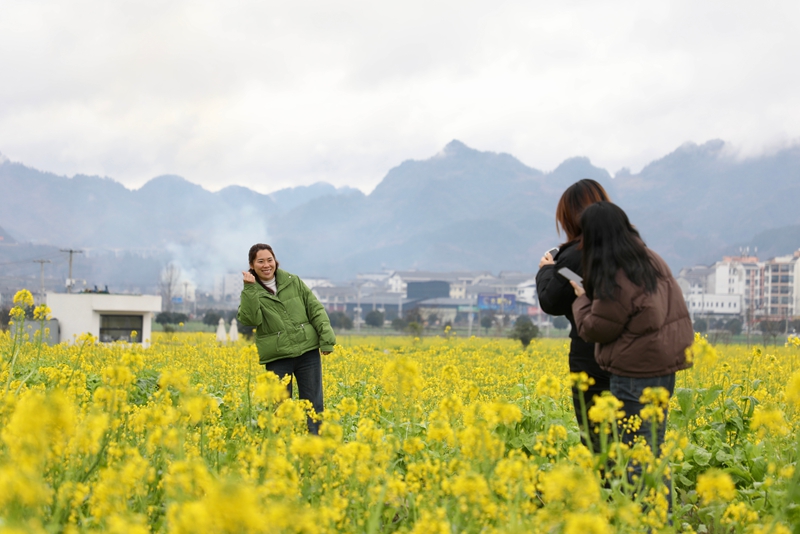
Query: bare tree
170	278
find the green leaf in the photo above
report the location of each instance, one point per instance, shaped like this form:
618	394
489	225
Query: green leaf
711	395
701	456
723	457
685	400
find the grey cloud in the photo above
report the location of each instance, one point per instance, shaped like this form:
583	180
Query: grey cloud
269	94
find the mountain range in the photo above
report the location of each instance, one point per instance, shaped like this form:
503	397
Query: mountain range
461	209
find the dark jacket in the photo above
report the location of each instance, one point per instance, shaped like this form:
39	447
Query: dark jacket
638	334
289	323
556	297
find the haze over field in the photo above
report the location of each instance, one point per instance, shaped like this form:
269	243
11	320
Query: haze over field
269	95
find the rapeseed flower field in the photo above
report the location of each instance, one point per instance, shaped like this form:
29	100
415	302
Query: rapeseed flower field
438	435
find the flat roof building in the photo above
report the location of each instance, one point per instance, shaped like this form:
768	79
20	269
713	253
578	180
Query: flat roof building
107	317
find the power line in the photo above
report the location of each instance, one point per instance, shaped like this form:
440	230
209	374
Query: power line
27	260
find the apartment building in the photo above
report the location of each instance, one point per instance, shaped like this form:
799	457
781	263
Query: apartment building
781	291
743	285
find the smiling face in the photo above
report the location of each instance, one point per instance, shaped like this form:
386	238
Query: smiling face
264	265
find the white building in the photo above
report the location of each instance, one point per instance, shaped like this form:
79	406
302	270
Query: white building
713	304
107	317
781	287
740	275
317	282
763	289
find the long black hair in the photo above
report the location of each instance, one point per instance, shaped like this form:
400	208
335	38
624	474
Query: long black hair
610	243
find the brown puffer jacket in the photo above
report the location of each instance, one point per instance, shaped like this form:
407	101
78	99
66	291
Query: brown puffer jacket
638	334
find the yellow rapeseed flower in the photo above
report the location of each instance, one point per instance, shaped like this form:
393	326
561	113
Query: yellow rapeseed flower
739	513
348	406
581	381
606	409
23	297
656	401
432	522
769	420
548	386
793	390
42	312
583	523
715	486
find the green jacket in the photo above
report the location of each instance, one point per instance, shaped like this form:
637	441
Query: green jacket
289	323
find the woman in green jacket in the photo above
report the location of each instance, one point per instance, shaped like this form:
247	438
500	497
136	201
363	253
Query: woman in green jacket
291	326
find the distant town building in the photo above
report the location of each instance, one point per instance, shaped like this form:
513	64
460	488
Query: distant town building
781	295
428	290
398	281
106	316
745	286
713	305
313	282
227	287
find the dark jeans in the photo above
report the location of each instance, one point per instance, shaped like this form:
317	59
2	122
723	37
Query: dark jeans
595	390
307	370
629	390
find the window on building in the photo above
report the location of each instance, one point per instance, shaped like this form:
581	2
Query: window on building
119	328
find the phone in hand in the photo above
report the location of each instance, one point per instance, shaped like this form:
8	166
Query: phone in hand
571	275
553	251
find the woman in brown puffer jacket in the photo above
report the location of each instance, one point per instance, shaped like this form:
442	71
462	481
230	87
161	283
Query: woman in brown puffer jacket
634	310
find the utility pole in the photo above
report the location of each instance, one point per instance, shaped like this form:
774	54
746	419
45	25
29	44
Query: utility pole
70	281
358	310
400	305
41	263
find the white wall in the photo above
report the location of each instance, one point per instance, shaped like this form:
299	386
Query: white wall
79	313
714	304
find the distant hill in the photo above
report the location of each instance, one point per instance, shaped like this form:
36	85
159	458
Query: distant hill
698	201
5	237
459	209
464	209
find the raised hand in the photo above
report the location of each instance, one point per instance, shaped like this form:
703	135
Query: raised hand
248	278
547	259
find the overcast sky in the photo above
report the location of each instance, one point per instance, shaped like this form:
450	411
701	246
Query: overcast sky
277	94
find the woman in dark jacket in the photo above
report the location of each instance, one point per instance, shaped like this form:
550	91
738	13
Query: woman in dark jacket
556	296
633	308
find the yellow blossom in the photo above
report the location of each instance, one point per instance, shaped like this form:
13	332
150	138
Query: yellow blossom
714	486
23	297
606	409
582	523
581	381
739	513
769	420
793	390
548	386
41	312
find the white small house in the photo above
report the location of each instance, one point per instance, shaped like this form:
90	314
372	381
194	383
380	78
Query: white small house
105	316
